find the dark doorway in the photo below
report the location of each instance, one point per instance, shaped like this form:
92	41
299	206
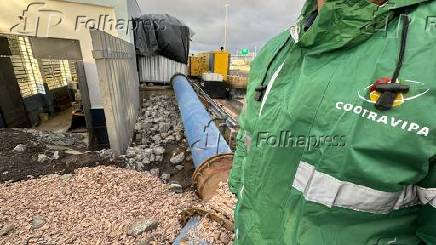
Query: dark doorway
13	111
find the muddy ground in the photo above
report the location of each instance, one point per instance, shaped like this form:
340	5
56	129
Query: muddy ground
16	166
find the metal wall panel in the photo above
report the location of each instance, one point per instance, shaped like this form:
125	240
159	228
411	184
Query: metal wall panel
119	85
158	69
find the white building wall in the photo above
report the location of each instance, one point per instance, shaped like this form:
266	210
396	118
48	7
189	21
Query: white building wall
71	20
134	12
124	10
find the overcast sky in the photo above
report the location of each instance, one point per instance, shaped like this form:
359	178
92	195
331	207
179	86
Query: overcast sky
252	22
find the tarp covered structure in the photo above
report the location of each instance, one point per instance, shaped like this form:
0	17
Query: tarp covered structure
162	34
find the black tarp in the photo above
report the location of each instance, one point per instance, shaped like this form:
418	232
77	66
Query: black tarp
162	34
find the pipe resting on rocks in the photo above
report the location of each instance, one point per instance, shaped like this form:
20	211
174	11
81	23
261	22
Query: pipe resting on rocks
211	155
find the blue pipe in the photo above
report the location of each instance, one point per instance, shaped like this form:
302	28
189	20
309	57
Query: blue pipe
191	225
204	138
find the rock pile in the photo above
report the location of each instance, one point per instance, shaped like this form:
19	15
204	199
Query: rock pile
158	125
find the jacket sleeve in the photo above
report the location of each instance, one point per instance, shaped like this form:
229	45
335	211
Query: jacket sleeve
427	217
238	160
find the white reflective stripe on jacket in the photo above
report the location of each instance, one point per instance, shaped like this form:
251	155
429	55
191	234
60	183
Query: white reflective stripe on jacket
326	190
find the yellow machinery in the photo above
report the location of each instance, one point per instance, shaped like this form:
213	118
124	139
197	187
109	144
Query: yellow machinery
215	62
219	62
198	64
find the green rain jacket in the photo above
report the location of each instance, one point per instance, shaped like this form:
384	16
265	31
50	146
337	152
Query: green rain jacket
317	162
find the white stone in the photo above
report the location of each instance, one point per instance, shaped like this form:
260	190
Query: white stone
20	148
42	158
165	177
154	172
178	158
56	155
73	152
37	222
142	226
176	188
66	177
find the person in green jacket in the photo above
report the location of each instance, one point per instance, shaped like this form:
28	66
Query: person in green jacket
338	137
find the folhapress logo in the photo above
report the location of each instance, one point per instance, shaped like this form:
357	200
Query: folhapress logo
286	139
35	17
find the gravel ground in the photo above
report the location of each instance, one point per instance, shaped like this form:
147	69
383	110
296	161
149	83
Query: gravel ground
50	192
209	230
224	201
93	206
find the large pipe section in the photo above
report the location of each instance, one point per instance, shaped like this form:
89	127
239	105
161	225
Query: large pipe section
211	154
202	134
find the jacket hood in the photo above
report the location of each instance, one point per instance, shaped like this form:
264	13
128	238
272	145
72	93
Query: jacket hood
343	23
